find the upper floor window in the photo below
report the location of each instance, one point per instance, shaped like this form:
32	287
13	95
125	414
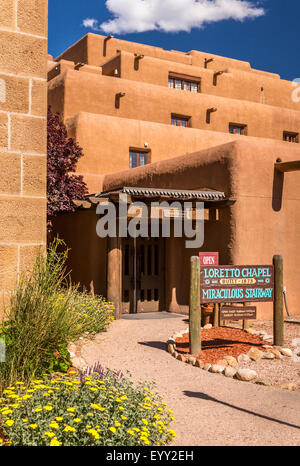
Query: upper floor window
138	158
291	137
184	83
178	120
237	129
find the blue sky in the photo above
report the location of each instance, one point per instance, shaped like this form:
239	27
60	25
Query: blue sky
269	41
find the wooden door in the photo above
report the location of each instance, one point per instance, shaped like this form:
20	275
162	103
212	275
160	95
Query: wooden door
143	275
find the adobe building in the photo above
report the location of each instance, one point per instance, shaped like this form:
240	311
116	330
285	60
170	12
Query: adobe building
23	130
168	125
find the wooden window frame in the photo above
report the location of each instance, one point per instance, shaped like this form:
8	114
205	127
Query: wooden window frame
184	79
138	151
243	127
188	119
290	134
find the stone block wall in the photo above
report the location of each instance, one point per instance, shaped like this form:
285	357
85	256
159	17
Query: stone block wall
23	132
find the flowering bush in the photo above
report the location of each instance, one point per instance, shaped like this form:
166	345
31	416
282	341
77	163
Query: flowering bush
46	313
98	409
96	313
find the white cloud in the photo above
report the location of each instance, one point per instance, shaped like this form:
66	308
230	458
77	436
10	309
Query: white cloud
171	15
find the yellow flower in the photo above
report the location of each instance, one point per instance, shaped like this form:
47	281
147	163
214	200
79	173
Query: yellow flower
121	408
37	410
48	408
69	429
7	411
53	425
113	429
77	419
49	434
33	426
25	420
145	422
117	424
10	422
131	432
59	418
124	418
55	443
98	407
71	410
94	433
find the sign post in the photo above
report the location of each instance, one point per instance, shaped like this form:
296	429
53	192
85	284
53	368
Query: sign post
278	322
195	307
211	258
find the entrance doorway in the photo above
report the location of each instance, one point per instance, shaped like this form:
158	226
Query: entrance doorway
143	275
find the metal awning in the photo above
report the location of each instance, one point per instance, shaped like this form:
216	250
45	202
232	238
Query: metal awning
180	194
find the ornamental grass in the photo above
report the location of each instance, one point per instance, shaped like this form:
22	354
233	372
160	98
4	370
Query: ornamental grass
88	411
46	313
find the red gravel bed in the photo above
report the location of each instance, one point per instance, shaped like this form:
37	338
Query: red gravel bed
220	342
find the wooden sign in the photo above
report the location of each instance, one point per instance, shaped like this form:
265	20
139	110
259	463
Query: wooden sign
238	313
209	258
237	284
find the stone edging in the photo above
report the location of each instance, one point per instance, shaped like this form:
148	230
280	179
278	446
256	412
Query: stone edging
229	365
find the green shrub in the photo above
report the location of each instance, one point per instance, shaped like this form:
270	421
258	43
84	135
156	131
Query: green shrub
46	313
89	411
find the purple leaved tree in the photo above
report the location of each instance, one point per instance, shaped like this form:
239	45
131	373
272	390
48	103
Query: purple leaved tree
63	154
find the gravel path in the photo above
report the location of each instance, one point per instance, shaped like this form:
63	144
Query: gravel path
209	409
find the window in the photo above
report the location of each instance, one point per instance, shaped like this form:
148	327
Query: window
291	137
177	120
237	129
184	83
138	158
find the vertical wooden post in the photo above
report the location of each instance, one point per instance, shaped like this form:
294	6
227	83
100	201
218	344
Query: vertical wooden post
278	322
195	307
216	315
114	261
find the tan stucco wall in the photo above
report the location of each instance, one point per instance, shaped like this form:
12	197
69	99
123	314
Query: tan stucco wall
251	231
106	154
23	108
84	81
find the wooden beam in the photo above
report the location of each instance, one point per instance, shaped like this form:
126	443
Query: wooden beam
285	167
98	200
81	203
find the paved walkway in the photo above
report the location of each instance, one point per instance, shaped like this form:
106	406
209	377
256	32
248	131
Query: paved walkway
209	409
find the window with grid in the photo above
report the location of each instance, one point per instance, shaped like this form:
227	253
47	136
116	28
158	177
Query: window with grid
237	129
291	137
138	158
184	84
180	121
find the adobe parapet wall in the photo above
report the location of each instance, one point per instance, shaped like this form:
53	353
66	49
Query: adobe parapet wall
93	49
117	58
